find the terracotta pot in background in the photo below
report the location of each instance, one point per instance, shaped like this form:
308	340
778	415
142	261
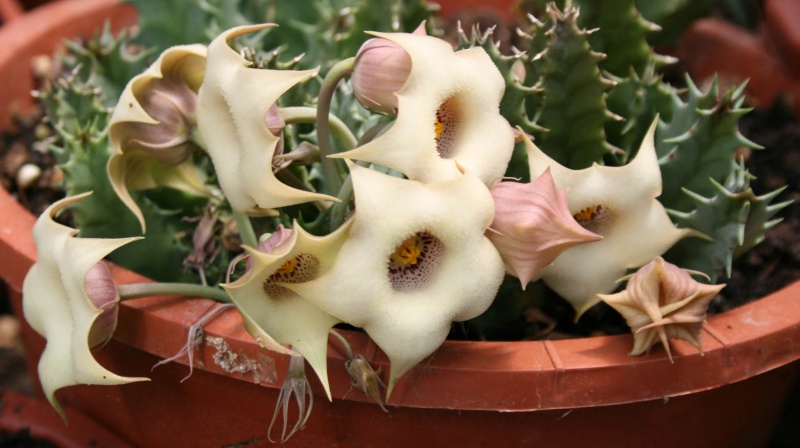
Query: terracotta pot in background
579	392
769	61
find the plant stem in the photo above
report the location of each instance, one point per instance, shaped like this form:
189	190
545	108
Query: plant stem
246	231
346	346
339	130
139	290
337	73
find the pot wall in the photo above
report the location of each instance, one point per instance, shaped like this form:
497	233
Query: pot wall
530	392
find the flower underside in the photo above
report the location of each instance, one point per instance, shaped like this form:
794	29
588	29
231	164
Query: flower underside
414	262
447	128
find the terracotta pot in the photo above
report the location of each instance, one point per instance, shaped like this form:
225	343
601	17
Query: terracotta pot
580	392
768	61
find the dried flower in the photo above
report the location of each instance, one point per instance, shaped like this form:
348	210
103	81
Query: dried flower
367	379
532	225
663	301
294	385
59	292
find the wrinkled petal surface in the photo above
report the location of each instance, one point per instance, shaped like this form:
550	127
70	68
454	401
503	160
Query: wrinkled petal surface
415	261
151	125
532	225
278	311
617	203
662	301
57	306
448	109
233	107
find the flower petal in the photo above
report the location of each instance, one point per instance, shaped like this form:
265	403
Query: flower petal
618	203
408	268
57	306
149	129
281	313
532	225
233	106
661	300
461	91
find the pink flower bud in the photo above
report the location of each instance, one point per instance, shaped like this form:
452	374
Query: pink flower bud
100	288
381	69
173	105
532	225
271	244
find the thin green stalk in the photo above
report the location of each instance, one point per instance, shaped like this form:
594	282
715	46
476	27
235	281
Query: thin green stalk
309	115
139	290
337	73
246	231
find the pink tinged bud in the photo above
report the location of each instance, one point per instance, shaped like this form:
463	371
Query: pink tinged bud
532	225
102	293
381	69
174	106
273	120
273	243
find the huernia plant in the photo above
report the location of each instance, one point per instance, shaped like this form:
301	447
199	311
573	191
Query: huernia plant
399	201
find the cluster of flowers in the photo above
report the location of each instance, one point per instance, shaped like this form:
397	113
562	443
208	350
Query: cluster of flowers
420	251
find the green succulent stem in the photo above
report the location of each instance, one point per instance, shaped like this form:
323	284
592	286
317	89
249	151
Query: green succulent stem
246	231
338	72
309	115
139	290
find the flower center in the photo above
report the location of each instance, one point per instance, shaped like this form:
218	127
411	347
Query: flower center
446	128
593	218
302	268
414	262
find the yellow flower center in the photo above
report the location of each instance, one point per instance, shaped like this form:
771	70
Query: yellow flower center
447	128
594	218
299	269
438	128
287	267
408	252
414	262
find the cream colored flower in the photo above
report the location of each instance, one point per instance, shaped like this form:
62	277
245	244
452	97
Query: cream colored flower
57	305
663	301
448	109
617	203
289	257
415	261
233	105
532	226
152	124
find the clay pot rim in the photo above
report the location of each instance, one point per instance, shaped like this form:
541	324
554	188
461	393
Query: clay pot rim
501	376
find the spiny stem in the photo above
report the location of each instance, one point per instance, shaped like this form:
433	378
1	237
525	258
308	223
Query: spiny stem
139	290
246	231
337	73
309	115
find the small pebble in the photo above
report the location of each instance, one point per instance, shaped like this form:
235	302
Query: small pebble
27	175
